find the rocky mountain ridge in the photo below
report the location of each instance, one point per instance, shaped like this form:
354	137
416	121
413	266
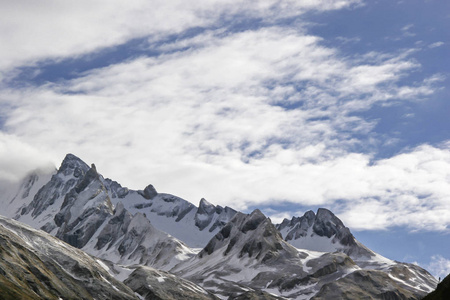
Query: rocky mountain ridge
241	254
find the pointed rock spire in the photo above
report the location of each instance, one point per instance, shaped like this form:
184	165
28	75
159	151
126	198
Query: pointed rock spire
205	207
149	192
73	165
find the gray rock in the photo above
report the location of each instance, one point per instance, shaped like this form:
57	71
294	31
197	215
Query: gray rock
149	192
152	284
367	284
116	228
255	295
84	210
204	214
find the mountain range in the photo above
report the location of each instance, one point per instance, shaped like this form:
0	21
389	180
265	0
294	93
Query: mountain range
73	234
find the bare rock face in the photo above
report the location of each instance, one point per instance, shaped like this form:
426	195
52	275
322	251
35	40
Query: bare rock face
366	284
115	228
35	265
131	240
154	284
84	209
255	295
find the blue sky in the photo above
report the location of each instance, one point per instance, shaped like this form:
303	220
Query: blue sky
282	105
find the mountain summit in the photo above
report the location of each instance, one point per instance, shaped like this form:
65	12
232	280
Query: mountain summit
323	232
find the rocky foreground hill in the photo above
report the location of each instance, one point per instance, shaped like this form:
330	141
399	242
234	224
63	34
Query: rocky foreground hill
98	239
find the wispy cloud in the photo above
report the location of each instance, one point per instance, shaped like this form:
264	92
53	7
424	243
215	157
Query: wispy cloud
346	40
437	44
407	32
439	266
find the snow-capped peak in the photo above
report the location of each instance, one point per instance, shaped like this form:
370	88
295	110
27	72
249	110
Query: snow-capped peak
323	232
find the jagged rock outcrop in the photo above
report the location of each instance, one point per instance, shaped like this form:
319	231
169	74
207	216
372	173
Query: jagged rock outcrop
322	232
115	189
213	216
131	240
263	243
70	173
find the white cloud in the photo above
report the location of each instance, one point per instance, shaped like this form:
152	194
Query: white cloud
439	266
437	44
241	118
346	40
407	27
16	158
409	189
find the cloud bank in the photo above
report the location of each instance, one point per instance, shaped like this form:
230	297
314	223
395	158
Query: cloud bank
240	116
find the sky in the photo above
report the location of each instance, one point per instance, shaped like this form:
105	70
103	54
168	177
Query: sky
280	105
